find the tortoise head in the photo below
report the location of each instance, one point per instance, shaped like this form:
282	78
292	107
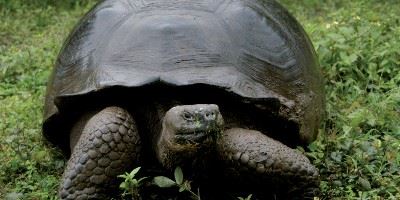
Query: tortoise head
188	132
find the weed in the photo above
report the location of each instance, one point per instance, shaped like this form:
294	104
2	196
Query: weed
247	198
183	185
131	185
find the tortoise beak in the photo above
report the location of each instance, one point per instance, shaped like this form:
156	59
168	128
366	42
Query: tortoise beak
196	123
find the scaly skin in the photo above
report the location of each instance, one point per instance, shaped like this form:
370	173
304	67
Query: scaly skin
254	157
109	146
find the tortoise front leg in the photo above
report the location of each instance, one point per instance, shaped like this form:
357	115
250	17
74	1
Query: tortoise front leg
269	166
108	146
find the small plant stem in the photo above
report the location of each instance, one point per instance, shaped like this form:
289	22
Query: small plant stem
198	193
194	195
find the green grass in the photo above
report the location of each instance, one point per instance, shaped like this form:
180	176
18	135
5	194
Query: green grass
31	34
358	151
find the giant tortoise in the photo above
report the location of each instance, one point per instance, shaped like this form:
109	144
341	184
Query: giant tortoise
225	89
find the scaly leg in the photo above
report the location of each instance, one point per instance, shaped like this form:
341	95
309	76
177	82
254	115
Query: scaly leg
266	165
108	146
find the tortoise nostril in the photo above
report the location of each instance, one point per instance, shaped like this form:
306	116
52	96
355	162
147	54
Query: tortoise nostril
210	115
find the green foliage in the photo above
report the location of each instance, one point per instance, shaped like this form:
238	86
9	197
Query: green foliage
131	185
359	50
247	198
183	185
358	46
16	5
30	37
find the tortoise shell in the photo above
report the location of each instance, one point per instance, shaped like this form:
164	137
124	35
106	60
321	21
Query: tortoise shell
251	48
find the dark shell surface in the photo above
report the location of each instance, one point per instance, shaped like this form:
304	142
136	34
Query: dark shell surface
250	48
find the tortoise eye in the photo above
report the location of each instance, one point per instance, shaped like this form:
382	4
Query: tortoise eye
187	116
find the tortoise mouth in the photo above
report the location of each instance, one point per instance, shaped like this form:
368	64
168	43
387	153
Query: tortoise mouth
192	138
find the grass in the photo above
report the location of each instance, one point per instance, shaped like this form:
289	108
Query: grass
357	152
31	34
